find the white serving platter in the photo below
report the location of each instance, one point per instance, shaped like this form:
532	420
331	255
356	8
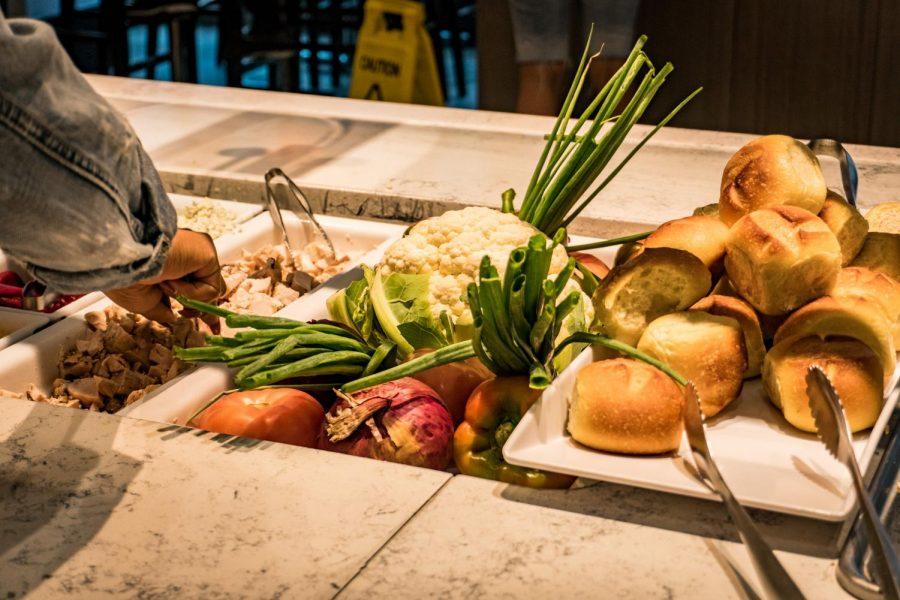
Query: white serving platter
767	463
18	324
34	359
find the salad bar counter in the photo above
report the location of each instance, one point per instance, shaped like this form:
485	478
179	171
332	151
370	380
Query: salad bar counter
485	397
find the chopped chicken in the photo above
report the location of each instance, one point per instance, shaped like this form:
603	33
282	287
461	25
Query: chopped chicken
119	360
260	282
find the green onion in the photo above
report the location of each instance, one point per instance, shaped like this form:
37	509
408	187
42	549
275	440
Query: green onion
583	337
625	239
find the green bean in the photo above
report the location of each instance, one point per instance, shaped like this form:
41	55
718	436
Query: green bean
201	354
447	354
289	357
280	349
308	366
248	349
378	357
203	307
218	340
236	321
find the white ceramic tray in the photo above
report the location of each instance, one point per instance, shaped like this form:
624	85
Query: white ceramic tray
18	324
34	359
767	463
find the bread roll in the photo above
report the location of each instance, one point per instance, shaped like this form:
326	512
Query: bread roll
860	282
782	257
702	236
656	282
708	209
847	224
770	171
880	252
884	217
706	349
628	251
850	365
625	405
740	311
856	318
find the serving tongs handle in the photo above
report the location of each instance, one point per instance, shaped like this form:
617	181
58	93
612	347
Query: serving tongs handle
834	149
774	577
832	429
297	203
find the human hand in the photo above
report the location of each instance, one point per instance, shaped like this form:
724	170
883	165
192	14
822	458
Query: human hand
191	269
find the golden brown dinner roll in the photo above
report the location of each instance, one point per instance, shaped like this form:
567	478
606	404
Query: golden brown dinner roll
743	313
656	282
702	236
884	217
628	251
880	252
706	349
781	257
847	224
708	209
770	171
855	318
625	405
850	365
860	282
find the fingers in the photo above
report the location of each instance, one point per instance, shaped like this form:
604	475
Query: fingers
146	300
192	255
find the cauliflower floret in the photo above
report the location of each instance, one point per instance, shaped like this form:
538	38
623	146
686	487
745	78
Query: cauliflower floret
449	248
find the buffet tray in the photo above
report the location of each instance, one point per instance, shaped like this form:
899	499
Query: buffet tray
16	324
767	463
34	359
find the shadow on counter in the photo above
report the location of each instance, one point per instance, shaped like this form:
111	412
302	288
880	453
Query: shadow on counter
694	516
59	484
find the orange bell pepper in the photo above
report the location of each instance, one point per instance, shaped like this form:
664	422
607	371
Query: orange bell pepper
492	412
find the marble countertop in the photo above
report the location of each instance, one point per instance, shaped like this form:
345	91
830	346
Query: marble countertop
394	161
95	505
482	539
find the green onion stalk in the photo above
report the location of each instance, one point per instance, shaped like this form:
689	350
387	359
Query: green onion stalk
575	156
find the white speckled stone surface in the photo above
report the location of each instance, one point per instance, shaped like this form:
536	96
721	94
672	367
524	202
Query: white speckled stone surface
482	539
395	161
93	505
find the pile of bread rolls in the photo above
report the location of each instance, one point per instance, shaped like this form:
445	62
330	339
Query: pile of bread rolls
780	275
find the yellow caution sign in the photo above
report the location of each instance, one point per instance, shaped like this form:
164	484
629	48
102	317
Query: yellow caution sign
394	58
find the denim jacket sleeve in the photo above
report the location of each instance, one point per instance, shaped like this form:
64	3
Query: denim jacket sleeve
80	202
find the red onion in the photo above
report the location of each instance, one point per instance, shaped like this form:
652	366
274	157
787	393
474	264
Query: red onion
402	421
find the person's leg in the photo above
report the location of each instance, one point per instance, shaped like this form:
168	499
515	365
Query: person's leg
541	29
614	22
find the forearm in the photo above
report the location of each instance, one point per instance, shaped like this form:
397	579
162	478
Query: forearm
82	204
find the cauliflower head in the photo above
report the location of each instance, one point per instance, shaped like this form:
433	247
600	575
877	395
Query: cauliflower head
449	248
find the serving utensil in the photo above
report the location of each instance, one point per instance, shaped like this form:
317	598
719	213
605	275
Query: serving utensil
774	577
299	205
834	149
832	429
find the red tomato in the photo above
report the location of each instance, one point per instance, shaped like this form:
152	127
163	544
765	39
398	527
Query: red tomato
593	264
276	415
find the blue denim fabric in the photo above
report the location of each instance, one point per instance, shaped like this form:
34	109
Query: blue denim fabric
80	202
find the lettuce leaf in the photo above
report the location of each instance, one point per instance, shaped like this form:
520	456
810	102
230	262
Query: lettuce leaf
400	303
352	306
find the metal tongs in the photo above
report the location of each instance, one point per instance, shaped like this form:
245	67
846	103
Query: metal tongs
832	428
774	577
299	205
834	149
